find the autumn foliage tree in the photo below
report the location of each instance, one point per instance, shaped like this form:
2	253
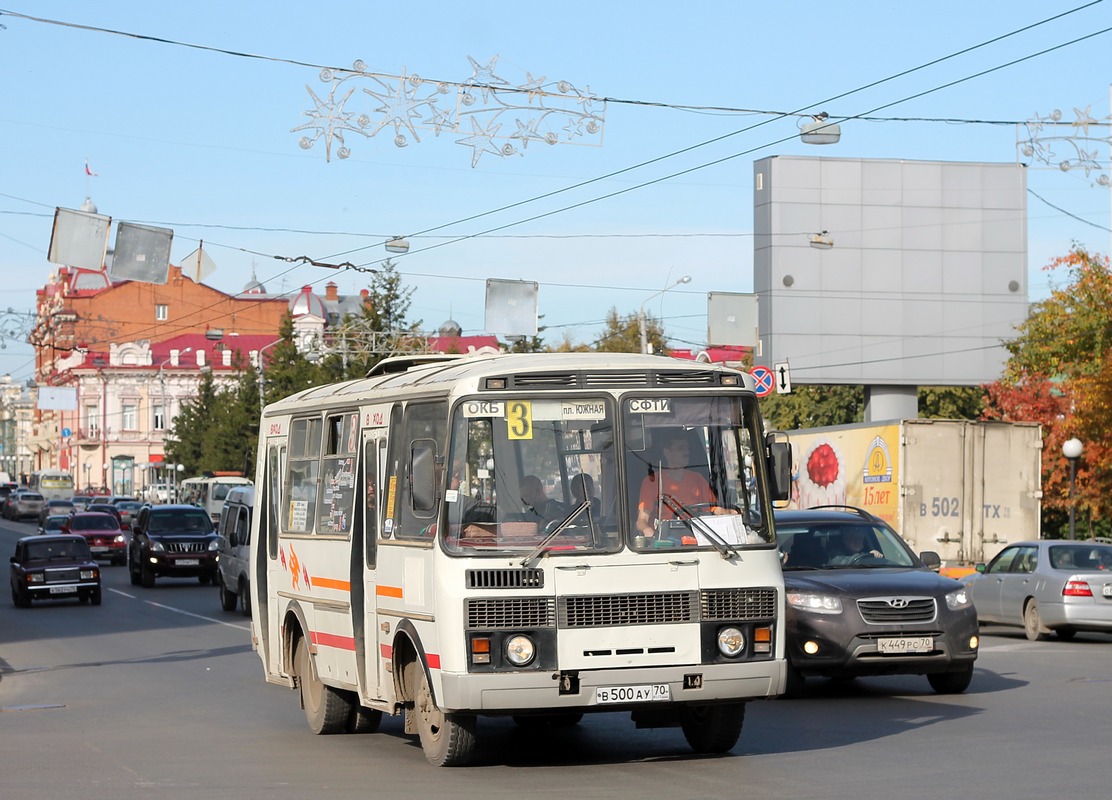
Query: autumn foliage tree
1060	374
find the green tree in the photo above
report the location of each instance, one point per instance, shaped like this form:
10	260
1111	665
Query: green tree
285	369
951	402
185	443
230	440
814	406
623	334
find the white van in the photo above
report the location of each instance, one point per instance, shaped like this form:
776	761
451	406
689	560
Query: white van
233	544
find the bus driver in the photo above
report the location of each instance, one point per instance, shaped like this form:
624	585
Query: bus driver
686	487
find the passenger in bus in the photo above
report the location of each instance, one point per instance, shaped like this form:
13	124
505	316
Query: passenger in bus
676	481
583	487
537	503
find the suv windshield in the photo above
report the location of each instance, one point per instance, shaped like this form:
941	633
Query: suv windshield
179	522
839	544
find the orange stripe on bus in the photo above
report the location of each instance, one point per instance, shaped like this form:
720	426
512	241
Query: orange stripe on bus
388	591
331	583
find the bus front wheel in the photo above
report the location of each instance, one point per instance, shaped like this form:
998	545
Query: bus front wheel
447	739
713	728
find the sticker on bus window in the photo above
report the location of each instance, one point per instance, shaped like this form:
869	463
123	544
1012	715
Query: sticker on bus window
391	492
650	405
519	419
483	408
583	409
299	515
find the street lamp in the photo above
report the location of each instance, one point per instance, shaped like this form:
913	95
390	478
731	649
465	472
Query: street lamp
1071	449
641	313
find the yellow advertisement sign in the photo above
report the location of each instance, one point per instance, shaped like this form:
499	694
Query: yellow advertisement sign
856	466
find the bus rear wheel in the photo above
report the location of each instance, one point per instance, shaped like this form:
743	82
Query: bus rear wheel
447	739
713	728
326	709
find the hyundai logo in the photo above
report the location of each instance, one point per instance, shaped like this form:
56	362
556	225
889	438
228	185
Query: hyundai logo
898	602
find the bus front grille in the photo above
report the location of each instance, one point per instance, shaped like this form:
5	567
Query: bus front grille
608	610
509	613
505	579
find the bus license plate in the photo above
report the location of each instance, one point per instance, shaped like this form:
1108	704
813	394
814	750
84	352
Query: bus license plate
63	589
188	562
900	645
642	693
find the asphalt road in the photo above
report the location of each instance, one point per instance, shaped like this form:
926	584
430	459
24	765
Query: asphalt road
158	693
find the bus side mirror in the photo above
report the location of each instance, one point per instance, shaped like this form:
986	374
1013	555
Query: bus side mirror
779	468
422	471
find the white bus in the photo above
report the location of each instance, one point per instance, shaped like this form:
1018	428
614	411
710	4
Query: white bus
209	492
397	568
52	484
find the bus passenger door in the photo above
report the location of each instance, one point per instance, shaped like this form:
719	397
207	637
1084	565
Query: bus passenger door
268	575
364	582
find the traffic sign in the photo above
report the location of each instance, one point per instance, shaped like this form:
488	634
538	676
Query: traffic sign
765	380
783	378
66	432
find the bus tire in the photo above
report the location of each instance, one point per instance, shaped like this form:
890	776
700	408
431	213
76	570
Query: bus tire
363	720
447	739
713	728
326	709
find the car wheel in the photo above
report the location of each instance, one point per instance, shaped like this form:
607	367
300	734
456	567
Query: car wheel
227	599
244	597
1032	622
146	576
954	682
447	739
326	709
1065	634
713	728
21	598
95	597
795	684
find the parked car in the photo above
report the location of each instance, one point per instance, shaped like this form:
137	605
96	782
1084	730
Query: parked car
233	544
103	533
1046	586
172	541
860	602
21	505
53	567
128	510
53	524
56	507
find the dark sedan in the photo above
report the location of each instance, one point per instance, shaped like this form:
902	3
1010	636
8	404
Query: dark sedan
52	567
860	602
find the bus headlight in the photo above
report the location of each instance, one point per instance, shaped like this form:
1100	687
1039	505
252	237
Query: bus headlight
731	641
520	650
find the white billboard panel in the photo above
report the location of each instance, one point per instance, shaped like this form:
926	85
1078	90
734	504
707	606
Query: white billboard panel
57	398
511	307
79	239
142	253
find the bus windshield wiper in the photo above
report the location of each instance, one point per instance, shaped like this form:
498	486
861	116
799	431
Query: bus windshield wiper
684	514
586	504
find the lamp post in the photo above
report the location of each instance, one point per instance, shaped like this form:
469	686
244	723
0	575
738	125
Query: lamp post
1071	449
259	370
641	312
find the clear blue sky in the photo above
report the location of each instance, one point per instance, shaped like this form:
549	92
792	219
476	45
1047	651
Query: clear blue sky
201	142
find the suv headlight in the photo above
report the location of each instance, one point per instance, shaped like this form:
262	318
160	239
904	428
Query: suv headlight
815	603
959	598
213	545
156	546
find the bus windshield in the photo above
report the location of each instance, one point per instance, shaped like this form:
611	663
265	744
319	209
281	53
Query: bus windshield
548	475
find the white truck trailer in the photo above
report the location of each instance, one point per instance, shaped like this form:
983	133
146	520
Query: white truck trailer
961	488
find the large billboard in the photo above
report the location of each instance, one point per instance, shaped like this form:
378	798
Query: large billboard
889	272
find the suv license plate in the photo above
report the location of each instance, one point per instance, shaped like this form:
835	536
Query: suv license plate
900	645
638	693
63	589
188	562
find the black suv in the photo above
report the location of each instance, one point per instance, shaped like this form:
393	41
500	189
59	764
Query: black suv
860	602
173	541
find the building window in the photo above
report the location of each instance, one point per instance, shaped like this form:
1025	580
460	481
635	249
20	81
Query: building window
162	312
130	420
92	420
158	414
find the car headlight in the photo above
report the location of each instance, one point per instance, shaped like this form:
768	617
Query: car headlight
156	546
815	603
36	577
119	538
959	598
731	641
88	574
520	650
213	545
